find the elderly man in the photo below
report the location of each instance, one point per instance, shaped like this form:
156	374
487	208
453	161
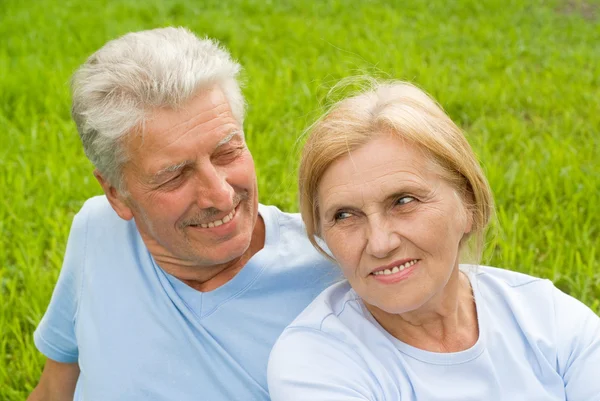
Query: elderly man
176	283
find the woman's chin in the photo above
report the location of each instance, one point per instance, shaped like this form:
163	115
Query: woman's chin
392	306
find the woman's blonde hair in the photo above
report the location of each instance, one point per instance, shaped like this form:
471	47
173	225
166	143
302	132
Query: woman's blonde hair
405	111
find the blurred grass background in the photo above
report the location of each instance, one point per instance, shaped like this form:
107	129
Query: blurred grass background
521	77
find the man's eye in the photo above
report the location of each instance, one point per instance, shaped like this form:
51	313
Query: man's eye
404	200
341	215
172	180
230	154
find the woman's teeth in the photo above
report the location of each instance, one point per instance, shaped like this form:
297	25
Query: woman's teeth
395	269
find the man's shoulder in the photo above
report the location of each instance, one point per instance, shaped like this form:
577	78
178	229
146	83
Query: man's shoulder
293	260
99	221
98	207
284	228
285	219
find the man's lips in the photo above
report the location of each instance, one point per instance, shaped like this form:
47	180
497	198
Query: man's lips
394	267
218	222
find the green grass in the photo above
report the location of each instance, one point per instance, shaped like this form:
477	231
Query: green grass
523	79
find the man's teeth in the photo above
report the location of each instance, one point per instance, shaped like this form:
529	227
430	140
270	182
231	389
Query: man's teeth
217	223
395	269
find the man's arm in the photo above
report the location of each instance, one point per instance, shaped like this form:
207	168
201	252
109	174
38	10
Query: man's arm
57	382
55	335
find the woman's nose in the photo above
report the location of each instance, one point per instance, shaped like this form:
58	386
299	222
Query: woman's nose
382	238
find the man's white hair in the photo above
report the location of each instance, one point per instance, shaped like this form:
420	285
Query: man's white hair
118	87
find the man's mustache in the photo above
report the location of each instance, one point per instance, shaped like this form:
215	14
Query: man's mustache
209	214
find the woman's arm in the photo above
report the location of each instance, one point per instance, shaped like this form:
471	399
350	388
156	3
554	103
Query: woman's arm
578	335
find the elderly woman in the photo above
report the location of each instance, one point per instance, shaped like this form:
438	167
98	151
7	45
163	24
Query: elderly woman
392	188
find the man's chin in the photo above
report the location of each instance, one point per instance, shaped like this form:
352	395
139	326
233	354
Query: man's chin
225	250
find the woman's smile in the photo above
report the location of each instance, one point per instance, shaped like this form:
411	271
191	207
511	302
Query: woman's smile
399	272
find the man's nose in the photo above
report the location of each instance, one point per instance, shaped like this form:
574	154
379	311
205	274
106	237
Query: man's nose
214	191
382	239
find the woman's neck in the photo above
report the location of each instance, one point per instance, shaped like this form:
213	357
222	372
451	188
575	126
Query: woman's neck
446	323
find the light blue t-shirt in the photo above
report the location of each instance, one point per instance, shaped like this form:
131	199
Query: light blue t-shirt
140	334
536	344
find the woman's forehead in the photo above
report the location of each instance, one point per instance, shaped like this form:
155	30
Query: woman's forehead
379	166
378	156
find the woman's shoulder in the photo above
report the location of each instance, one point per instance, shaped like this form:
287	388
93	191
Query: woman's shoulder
512	291
501	276
508	285
321	353
535	304
330	321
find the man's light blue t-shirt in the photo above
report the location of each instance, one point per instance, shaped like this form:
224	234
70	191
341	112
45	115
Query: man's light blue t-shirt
140	334
535	343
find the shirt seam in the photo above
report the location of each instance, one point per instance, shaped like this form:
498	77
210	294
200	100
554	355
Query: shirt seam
336	314
83	265
531	280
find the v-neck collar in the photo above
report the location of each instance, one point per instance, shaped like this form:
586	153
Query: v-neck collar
203	304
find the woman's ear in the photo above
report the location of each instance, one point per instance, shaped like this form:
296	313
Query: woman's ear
468	200
470	218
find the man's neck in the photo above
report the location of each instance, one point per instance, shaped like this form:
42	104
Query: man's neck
209	278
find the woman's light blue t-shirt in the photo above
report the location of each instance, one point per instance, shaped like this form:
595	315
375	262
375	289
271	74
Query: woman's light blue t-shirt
535	343
140	334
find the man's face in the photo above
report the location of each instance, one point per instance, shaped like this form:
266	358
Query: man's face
191	184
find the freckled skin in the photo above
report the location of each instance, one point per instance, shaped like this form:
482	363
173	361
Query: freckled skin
385	202
213	180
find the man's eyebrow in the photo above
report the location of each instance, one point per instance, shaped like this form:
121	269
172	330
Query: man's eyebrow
171	169
229	137
176	167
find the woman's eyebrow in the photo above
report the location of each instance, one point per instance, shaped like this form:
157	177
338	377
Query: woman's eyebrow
402	190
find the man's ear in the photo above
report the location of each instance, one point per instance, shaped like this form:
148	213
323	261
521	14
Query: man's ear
115	197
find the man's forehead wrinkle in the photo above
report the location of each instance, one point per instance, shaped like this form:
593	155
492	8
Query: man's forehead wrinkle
213	113
205	129
172	118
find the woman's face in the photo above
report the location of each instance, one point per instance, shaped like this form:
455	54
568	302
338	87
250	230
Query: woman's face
393	224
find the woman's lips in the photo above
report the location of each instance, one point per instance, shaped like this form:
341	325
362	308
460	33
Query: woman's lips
396	273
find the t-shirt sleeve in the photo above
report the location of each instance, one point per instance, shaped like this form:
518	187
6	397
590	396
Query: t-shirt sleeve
308	364
578	335
55	335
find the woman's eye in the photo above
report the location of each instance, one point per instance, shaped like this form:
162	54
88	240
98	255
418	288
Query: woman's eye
341	215
405	199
